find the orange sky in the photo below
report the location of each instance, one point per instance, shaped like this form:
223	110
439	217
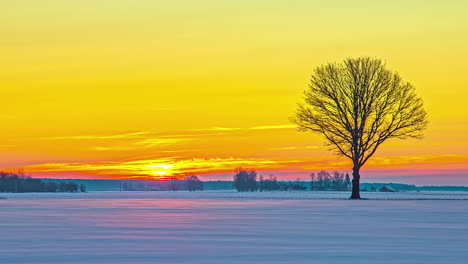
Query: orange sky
149	89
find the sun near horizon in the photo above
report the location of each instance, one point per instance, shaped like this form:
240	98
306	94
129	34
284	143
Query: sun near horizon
156	90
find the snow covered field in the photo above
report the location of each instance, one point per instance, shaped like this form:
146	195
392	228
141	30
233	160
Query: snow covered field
229	227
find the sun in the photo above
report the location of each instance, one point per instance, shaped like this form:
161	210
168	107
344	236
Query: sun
163	169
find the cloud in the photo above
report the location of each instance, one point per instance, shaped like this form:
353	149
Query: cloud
153	138
116	136
419	161
163	168
126	141
151	142
271	127
291	148
179	166
249	128
217	129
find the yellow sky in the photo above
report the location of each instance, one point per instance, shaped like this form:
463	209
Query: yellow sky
108	88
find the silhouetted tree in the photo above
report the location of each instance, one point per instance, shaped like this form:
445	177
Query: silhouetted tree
347	181
323	180
173	184
271	184
328	181
261	185
357	105
338	181
193	183
245	181
82	188
312	177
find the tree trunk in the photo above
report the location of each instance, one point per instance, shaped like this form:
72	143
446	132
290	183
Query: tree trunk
355	194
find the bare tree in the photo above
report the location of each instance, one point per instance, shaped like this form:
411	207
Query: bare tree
173	183
312	177
193	183
357	105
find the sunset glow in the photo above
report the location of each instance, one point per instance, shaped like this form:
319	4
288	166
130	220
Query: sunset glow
159	90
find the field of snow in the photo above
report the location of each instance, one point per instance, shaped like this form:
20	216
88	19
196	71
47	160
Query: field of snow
230	227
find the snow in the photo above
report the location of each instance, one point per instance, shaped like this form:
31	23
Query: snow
230	227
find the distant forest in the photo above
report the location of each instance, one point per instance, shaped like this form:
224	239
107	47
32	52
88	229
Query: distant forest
321	181
20	183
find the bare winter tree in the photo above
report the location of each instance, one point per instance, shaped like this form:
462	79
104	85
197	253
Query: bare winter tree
193	183
357	105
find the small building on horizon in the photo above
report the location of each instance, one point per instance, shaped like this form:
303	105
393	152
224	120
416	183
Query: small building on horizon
387	188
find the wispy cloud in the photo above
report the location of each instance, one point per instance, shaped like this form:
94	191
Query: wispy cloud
127	141
151	142
115	136
293	148
271	127
248	128
217	129
155	134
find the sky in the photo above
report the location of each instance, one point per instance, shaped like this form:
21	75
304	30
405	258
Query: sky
158	89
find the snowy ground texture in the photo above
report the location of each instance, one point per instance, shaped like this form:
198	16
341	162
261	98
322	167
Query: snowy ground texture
229	227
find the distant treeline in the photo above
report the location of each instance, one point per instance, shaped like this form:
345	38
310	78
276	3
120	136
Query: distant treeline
94	185
443	188
20	183
263	183
190	183
246	181
335	181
